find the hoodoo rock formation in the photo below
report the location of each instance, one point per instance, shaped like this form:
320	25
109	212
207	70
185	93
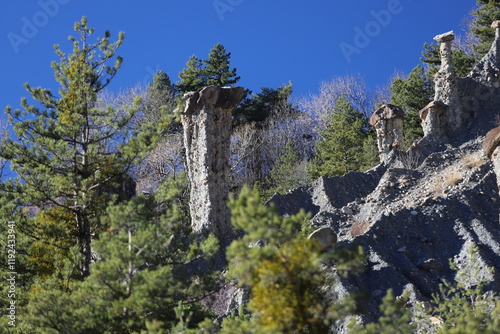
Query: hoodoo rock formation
413	217
388	122
206	120
463	108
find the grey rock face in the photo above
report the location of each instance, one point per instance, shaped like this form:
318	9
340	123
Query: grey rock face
207	130
329	192
415	242
434	120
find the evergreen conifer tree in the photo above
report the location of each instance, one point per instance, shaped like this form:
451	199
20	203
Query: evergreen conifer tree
192	77
487	12
412	94
159	104
290	172
340	148
215	70
258	107
217	67
146	272
71	151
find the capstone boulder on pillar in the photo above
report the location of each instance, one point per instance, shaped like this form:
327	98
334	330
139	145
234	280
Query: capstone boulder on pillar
206	121
434	120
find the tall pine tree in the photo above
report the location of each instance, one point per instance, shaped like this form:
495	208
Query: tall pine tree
412	94
216	70
340	149
71	152
146	273
487	12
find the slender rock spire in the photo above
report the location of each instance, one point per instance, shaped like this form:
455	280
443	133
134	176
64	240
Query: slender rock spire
206	122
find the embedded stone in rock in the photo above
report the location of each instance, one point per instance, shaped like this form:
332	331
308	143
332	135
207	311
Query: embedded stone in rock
388	122
206	121
431	264
436	106
325	236
346	210
491	141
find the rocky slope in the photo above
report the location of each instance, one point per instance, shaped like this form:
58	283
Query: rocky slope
413	221
421	209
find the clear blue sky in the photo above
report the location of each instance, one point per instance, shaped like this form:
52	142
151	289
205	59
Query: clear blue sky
271	41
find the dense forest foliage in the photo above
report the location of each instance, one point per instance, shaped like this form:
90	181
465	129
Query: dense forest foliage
98	206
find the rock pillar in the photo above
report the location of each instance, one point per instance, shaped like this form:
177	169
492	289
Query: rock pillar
388	122
446	95
207	134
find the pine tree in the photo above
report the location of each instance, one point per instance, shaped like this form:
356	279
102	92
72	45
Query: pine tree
146	273
284	270
161	86
192	77
258	107
217	67
340	148
462	62
159	104
396	318
412	94
487	12
370	157
72	152
215	70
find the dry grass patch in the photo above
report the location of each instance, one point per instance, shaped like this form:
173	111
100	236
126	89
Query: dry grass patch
442	183
452	178
473	160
